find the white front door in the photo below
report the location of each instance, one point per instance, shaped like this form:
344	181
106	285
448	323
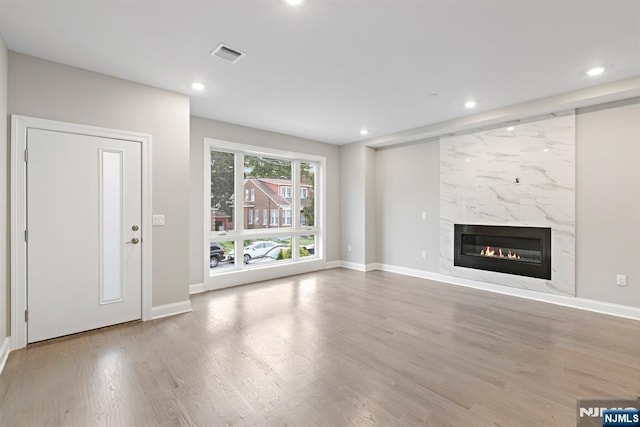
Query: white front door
83	224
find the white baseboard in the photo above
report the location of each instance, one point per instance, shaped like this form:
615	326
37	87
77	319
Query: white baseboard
352	265
196	288
5	348
567	301
333	264
170	309
360	267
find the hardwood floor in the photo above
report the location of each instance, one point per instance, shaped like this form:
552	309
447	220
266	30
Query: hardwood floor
333	348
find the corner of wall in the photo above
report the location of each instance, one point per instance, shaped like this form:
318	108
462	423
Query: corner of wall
4	182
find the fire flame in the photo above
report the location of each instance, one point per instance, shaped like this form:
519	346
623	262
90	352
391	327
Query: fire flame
489	251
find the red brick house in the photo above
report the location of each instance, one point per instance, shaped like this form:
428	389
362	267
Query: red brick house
267	202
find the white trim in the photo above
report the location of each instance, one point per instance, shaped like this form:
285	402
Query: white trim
228	146
269	271
196	288
333	264
566	301
240	274
19	126
360	267
5	348
172	309
352	265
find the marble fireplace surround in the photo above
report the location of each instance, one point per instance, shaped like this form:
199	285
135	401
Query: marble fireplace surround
519	177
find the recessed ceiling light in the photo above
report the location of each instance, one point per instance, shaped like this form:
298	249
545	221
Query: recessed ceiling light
510	128
197	86
364	132
470	104
294	2
595	71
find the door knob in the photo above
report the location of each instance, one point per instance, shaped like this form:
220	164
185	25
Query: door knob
134	241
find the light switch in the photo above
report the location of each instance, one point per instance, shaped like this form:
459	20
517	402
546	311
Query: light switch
621	280
424	215
158	220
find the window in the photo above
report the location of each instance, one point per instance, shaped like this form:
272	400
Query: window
256	193
222	189
268	251
285	192
286	216
219	255
307	205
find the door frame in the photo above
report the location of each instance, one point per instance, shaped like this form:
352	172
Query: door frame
19	126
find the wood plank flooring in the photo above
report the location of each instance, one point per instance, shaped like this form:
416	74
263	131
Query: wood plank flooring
332	348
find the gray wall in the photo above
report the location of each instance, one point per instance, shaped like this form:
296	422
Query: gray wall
358	204
49	90
352	203
201	128
370	225
408	185
608	203
4	171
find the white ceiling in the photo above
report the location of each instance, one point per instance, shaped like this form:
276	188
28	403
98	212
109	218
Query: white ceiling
327	68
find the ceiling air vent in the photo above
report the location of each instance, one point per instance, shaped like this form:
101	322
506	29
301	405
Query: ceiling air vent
227	53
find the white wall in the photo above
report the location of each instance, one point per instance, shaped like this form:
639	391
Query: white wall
407	185
49	90
4	226
201	128
608	202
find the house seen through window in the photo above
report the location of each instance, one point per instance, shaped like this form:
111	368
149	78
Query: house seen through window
267	214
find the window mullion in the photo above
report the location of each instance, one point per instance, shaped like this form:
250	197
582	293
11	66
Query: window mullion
239	214
239	193
295	208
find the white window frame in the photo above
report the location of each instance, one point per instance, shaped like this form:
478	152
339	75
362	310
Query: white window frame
250	216
240	273
256	217
286	216
285	192
304	193
252	196
274	217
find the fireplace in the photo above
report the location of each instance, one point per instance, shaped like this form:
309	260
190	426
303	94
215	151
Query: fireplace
525	251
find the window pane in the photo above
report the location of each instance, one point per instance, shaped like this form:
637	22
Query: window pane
307	246
307	194
267	251
111	204
222	187
220	256
267	189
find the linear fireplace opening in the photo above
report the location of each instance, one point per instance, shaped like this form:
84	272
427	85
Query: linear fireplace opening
525	251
